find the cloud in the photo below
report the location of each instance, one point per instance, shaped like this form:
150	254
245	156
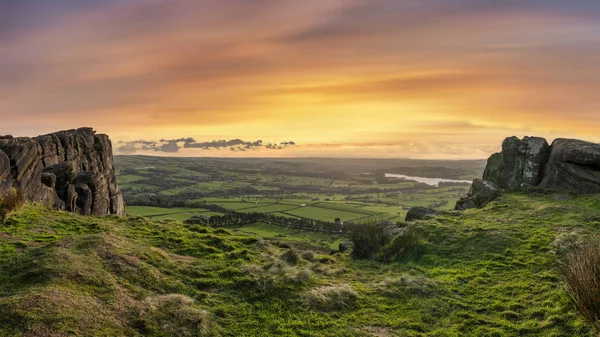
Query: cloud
217	144
175	145
317	71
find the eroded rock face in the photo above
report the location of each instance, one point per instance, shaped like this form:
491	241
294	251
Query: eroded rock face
70	170
568	165
574	166
495	167
5	177
523	161
482	192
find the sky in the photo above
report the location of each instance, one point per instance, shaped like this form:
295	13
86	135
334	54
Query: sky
447	79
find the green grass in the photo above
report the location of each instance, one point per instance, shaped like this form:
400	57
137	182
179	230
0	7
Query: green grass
175	213
488	272
324	214
294	236
269	208
150	210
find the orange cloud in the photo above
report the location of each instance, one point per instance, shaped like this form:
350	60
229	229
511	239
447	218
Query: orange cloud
391	78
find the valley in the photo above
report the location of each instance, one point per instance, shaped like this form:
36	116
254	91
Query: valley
351	190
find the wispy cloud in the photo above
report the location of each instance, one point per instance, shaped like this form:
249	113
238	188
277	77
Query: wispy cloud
175	145
316	71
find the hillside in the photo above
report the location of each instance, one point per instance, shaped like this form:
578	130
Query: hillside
482	272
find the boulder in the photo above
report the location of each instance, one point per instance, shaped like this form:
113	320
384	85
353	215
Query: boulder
568	165
419	213
481	192
523	162
494	168
574	166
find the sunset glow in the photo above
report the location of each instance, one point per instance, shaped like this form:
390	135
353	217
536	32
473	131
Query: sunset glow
340	78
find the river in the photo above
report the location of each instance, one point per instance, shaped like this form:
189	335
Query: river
428	181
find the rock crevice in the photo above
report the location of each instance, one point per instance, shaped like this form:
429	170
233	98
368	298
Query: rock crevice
67	170
568	165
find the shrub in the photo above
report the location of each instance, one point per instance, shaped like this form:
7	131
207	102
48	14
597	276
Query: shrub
384	242
403	245
10	202
368	239
581	273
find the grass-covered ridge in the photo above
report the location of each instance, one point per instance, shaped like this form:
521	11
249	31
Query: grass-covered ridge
489	272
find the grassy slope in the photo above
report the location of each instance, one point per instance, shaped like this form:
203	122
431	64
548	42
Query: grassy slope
487	272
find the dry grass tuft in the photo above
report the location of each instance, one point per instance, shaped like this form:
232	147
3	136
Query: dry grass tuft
174	315
333	298
406	284
10	202
581	273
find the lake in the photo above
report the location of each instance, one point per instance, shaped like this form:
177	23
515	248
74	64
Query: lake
428	181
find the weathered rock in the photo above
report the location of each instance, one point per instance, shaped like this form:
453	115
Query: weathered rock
71	198
26	168
99	189
568	165
5	177
49	179
481	192
494	168
53	169
419	213
84	199
574	166
523	162
52	150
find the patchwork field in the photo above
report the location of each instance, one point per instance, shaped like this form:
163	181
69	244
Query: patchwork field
315	189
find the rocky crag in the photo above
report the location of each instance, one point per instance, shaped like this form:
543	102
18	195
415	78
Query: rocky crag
568	165
67	170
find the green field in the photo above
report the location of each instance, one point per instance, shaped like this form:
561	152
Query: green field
272	208
176	213
293	236
324	214
322	190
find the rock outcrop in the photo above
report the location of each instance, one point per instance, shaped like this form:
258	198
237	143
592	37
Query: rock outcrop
68	170
568	165
419	213
481	192
574	166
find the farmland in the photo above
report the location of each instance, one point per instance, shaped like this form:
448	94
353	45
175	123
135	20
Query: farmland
315	189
